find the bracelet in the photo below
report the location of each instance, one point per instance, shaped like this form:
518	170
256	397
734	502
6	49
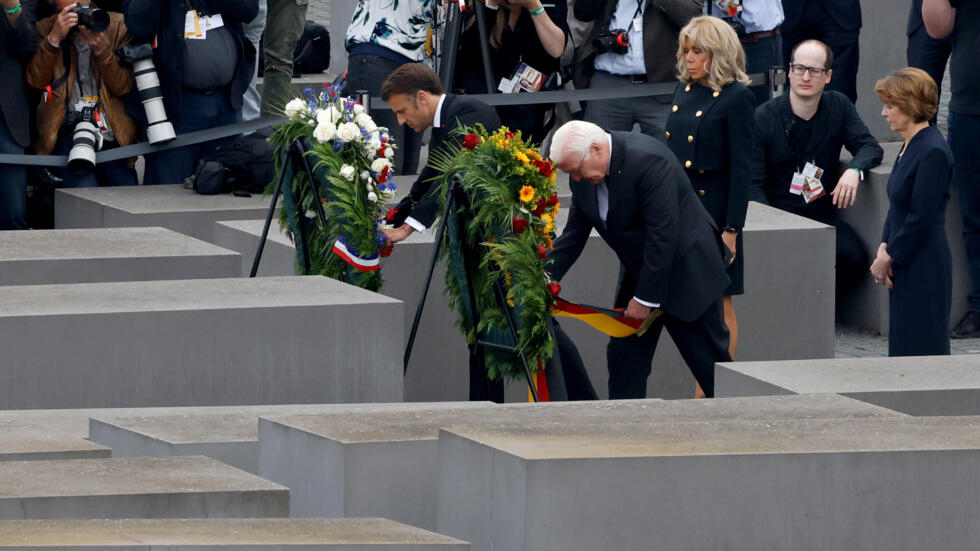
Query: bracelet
538	11
13	11
860	173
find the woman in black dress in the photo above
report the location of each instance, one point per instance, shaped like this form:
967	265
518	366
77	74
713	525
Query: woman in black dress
710	131
914	259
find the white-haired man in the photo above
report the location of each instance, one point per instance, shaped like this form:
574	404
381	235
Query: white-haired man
633	191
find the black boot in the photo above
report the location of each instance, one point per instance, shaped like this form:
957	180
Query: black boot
968	327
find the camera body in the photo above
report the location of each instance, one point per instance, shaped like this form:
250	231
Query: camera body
129	55
73	117
614	41
736	23
92	18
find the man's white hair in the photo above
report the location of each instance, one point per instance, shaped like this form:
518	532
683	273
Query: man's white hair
574	139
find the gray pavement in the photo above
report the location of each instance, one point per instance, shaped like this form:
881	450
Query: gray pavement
853	343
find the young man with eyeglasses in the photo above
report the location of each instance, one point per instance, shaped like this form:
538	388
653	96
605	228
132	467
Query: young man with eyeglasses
796	159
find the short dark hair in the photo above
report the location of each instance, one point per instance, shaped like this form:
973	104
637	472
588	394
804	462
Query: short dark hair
827	64
409	79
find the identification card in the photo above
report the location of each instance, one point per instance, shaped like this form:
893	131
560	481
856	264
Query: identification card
812	189
214	21
796	186
729	7
508	86
812	171
638	22
193	28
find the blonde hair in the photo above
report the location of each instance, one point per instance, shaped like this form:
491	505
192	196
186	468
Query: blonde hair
912	91
720	41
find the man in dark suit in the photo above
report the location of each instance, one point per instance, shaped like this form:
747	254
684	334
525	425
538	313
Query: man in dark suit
650	57
17	37
416	97
836	23
924	51
633	191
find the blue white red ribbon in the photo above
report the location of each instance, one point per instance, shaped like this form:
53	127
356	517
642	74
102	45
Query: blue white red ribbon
362	263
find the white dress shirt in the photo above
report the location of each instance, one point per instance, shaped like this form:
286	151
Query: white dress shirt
436	123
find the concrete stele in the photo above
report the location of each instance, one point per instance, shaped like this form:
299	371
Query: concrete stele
921	385
881	483
375	534
386	463
29	442
176	487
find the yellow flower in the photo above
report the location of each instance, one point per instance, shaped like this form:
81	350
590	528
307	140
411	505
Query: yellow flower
533	154
549	223
521	157
527	194
554	176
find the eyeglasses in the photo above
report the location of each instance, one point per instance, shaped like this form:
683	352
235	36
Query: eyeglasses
800	69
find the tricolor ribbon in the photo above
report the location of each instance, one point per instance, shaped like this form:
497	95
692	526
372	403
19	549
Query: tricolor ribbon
609	321
362	263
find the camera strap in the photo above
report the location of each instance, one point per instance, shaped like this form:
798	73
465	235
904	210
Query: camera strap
639	11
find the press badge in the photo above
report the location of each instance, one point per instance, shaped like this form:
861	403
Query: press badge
193	27
812	189
796	185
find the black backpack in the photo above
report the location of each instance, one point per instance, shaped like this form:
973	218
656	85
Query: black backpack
243	166
312	53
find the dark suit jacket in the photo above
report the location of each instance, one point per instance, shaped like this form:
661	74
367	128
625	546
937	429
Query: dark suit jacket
846	13
662	21
655	224
18	45
422	202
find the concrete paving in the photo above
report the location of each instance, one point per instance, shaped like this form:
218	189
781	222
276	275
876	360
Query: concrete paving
171	206
767	484
29	442
921	385
35	257
195	342
176	487
374	534
387	463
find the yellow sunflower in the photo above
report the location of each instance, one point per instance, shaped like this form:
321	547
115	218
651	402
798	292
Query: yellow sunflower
533	154
522	157
527	194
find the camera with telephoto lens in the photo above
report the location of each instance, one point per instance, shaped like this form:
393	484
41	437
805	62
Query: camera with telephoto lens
140	58
615	41
92	18
85	141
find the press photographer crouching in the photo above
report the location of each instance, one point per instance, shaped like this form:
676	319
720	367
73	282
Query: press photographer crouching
82	84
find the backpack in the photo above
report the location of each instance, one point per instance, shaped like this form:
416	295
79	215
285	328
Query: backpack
312	53
243	166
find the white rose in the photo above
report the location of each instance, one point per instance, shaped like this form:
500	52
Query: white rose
366	122
389	153
358	109
295	108
378	165
369	187
329	115
348	132
348	171
372	197
373	145
365	175
324	132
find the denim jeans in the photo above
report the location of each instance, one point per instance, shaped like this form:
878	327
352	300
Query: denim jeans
964	141
13	184
252	102
198	111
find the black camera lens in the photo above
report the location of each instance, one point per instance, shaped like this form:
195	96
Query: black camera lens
93	19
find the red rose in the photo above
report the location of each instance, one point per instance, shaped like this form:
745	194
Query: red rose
381	152
520	224
542	252
544	167
383	177
509	134
386	252
554	289
553	200
390	217
470	141
540	206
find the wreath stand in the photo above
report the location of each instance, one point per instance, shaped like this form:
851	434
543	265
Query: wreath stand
296	153
456	195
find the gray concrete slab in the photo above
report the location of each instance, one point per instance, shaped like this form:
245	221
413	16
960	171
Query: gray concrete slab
197	342
242	236
172	206
374	534
36	257
387	463
174	487
29	442
920	385
228	434
867	306
874	483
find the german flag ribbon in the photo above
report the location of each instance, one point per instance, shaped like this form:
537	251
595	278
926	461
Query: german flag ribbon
609	321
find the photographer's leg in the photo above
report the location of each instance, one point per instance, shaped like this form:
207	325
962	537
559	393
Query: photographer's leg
283	28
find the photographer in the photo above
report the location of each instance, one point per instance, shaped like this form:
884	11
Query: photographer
521	31
17	37
203	73
81	79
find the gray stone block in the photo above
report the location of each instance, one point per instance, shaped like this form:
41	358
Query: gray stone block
28	442
373	534
197	342
176	487
922	385
387	463
228	434
867	306
36	257
172	206
773	484
242	236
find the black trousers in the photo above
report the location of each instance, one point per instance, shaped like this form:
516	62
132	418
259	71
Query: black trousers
816	23
852	258
928	54
702	343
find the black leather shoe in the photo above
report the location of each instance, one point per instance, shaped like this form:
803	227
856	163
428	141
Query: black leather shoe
968	327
